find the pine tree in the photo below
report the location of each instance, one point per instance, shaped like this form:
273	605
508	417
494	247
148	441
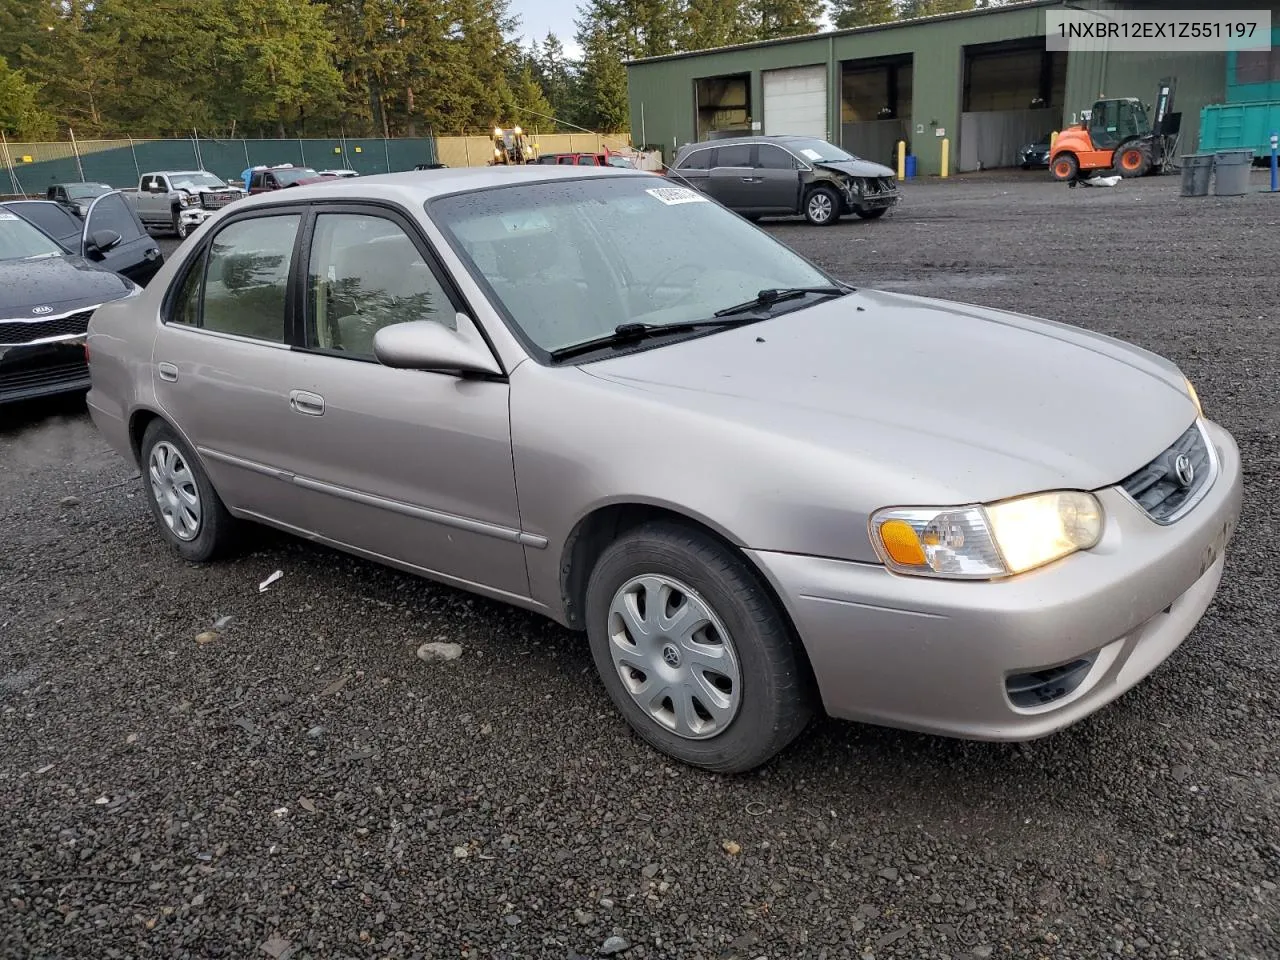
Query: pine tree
861	13
787	18
603	104
714	23
20	114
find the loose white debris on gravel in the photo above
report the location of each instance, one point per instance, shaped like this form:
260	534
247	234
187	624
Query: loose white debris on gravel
436	650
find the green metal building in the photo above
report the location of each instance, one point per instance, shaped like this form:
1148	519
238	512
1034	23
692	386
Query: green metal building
983	80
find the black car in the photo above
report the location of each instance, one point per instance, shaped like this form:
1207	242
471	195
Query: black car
786	175
46	297
1034	154
110	234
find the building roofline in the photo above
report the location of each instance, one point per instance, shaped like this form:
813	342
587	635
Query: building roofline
850	31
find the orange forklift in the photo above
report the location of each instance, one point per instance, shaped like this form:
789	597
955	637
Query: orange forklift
1118	136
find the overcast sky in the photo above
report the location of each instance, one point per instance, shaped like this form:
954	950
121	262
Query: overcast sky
538	17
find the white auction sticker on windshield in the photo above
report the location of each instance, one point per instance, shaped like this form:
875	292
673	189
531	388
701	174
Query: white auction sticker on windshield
8	216
673	195
812	154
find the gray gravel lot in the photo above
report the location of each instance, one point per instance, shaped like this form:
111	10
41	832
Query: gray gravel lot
301	785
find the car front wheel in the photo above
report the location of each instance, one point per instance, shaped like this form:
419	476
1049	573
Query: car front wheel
191	516
822	206
693	651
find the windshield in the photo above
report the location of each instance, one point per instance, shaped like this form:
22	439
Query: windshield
571	260
818	151
19	240
294	174
83	191
192	181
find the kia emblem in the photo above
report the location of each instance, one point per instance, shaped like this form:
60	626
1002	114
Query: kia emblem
41	311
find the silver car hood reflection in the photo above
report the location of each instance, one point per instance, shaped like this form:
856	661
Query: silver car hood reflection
990	404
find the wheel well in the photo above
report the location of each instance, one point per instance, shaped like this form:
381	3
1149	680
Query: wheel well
138	424
600	528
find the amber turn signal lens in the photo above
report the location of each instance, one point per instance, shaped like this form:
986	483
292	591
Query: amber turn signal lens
901	543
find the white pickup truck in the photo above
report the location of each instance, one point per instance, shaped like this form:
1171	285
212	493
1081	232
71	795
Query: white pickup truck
179	200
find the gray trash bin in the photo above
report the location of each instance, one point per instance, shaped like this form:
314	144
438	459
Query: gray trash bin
1231	172
1196	169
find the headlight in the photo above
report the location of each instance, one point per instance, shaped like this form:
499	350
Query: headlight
188	200
1195	398
984	542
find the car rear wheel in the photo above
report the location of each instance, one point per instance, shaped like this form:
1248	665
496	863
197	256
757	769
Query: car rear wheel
822	206
693	651
192	518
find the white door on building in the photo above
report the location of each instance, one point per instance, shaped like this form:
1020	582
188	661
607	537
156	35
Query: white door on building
795	101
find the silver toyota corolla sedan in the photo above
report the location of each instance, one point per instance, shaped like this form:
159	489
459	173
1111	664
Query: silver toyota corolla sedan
760	491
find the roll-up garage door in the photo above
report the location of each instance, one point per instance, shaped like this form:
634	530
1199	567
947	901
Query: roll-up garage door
795	101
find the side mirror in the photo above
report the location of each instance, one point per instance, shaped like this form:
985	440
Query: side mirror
427	345
100	241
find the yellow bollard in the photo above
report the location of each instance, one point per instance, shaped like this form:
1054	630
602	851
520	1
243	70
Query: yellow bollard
902	159
946	157
1053	138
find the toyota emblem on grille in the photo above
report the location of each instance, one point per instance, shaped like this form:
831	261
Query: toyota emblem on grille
42	310
1184	469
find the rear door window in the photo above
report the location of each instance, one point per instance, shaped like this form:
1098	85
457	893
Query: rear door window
738	155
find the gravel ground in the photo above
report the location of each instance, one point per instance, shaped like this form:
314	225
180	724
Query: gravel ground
296	783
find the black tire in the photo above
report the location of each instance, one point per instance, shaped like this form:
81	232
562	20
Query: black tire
216	530
822	206
776	697
180	229
875	213
1132	160
1065	167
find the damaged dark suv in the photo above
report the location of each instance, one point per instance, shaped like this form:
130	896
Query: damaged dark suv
784	176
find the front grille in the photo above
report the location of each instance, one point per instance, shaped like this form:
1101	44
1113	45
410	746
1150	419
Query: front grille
216	201
43	377
17	332
1161	490
1042	687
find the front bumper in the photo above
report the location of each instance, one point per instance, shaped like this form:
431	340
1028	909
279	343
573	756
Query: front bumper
43	370
940	656
195	215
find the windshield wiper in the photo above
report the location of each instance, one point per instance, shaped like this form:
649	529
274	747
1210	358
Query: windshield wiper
767	298
634	332
752	311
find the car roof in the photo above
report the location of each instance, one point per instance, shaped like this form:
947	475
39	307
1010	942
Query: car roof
416	186
752	138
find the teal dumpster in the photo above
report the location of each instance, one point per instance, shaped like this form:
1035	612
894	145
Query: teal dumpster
1231	172
1196	170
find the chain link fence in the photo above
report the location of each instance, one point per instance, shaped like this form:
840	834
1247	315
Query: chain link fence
29	168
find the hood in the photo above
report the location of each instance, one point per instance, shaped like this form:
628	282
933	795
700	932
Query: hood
973	403
855	168
62	283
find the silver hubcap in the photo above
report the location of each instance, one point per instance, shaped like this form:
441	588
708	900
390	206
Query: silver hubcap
820	207
175	491
674	656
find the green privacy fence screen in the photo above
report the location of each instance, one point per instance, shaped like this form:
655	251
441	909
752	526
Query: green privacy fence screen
28	168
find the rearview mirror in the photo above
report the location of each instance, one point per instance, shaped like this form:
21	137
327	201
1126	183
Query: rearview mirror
428	345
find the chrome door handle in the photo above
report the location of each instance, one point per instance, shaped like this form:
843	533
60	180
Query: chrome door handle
311	404
167	372
751	179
